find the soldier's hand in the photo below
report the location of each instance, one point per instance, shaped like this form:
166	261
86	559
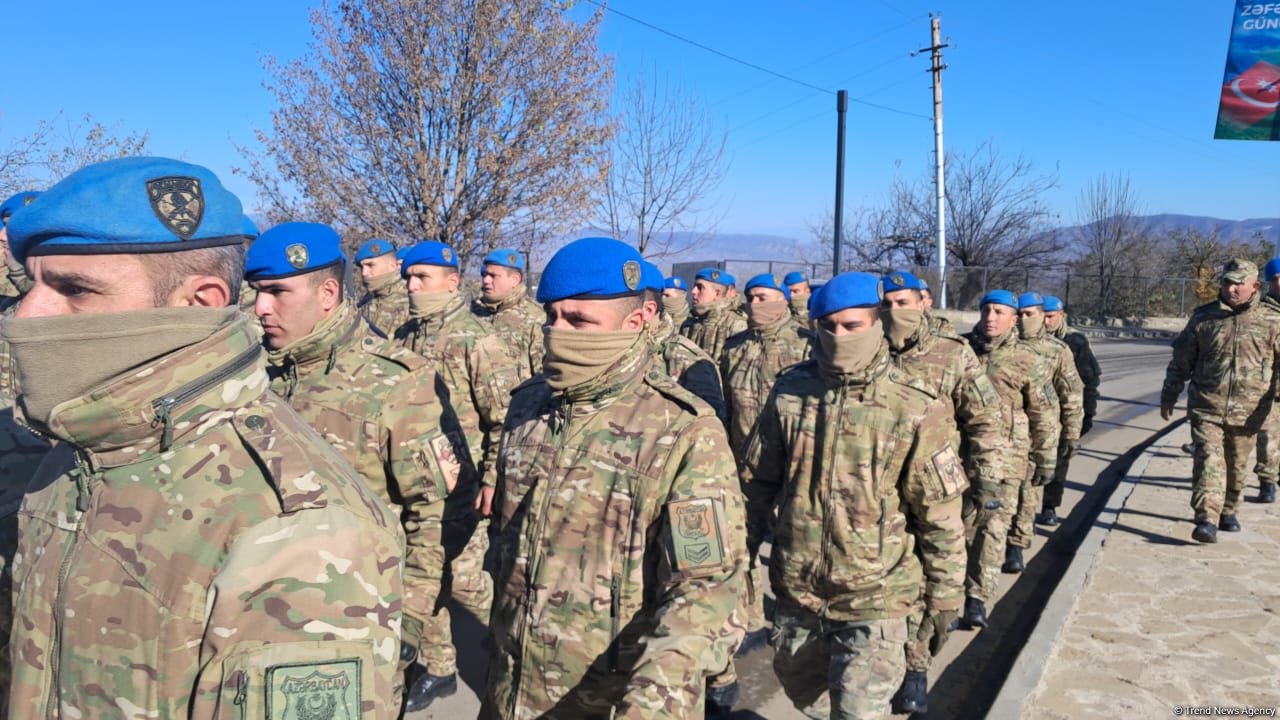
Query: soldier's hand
1087	425
484	500
1166	411
1042	477
936	628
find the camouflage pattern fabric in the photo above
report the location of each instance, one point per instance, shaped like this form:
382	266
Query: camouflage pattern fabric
207	555
376	403
939	325
799	310
1267	466
17	275
1220	466
518	320
1091	375
749	363
688	365
677	319
710	329
1031	408
838	669
385	303
7	391
621	549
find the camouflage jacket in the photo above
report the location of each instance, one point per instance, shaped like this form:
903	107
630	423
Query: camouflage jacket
676	320
1026	390
518	320
712	328
849	462
941	326
945	367
376	402
7	390
1230	358
385	303
477	374
191	549
749	363
1067	385
621	549
21	452
689	366
1086	364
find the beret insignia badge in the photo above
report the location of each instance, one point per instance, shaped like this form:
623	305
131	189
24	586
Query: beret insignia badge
178	203
897	279
715	275
376	249
297	255
447	254
511	258
631	274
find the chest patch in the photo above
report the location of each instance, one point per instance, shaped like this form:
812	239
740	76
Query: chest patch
314	691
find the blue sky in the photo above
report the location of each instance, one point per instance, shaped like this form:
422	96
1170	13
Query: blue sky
1080	89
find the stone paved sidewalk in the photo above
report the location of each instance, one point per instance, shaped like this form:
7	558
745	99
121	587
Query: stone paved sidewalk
1164	624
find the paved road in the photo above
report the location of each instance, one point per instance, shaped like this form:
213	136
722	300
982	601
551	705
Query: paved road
969	672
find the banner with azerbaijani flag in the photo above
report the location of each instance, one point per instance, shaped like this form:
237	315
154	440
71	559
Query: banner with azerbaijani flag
1251	85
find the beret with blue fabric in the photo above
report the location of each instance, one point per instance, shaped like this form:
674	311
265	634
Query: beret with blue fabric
901	280
402	252
768	280
1030	299
715	275
795	277
651	277
847	290
924	284
251	230
675	282
594	268
1271	269
16	203
999	297
377	247
126	206
1052	304
505	257
293	248
428	252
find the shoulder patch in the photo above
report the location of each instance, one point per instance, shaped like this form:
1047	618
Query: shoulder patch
695	535
950	470
302	691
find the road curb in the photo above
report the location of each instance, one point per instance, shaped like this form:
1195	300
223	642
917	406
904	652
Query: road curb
1023	680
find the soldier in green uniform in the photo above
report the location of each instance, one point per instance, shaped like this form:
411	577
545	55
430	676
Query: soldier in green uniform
851	455
944	367
1268	459
712	319
1033	420
373	400
190	547
385	302
1090	373
675	302
1068	390
504	304
621	539
798	286
684	362
1227	352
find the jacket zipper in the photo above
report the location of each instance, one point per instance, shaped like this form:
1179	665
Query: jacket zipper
825	560
615	618
163	407
84	498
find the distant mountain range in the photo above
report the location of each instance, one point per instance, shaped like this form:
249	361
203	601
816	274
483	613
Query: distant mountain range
1243	230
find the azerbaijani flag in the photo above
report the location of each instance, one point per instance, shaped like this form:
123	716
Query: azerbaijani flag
1251	84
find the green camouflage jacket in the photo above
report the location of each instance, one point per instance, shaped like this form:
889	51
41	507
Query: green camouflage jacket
749	363
849	462
1026	389
21	452
689	366
941	326
385	303
477	374
620	552
712	328
375	401
1067	385
1230	358
518	320
191	549
1086	364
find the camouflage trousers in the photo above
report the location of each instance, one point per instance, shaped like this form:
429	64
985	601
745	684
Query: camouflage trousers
748	616
919	659
1268	466
988	510
1023	528
1220	467
1053	491
425	560
838	670
466	541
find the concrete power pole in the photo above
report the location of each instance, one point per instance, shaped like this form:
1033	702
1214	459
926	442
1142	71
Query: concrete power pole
935	53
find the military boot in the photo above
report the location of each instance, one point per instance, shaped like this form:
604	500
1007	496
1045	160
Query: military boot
1267	492
720	701
1047	516
913	694
421	687
975	614
1013	561
1229	523
1205	532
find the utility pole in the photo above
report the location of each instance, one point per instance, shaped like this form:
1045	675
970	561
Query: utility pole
842	108
935	53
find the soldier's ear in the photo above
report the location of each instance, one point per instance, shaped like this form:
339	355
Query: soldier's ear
201	291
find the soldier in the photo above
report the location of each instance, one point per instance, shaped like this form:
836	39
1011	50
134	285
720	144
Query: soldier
1228	353
798	285
1268	464
16	284
190	544
675	302
372	399
477	374
944	367
504	305
21	452
1033	420
1068	392
249	296
684	362
937	324
621	540
712	319
385	303
1090	374
850	454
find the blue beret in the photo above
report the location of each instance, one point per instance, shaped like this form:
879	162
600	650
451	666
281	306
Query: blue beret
770	281
17	202
795	277
999	297
403	251
1270	270
250	228
847	290
924	284
651	277
293	248
505	257
1052	303
593	268
675	282
428	252
715	275
129	205
376	247
901	280
1030	299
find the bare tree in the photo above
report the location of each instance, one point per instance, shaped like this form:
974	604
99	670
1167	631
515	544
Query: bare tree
1120	254
666	158
59	147
437	119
